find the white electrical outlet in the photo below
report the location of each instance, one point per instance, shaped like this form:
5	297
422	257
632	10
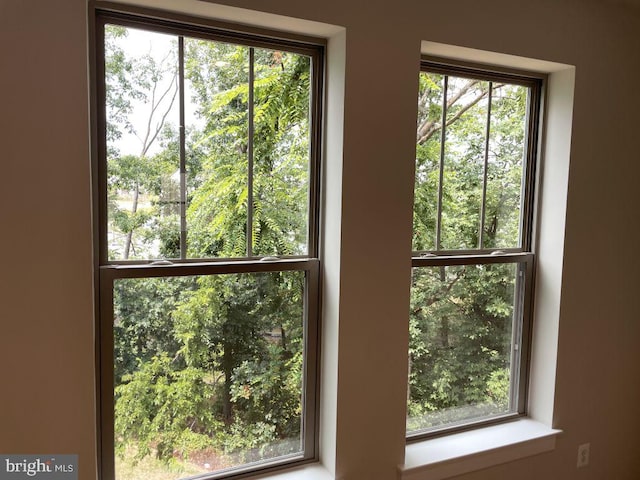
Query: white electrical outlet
583	455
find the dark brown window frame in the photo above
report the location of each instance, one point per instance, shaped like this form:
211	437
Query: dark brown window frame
523	255
107	271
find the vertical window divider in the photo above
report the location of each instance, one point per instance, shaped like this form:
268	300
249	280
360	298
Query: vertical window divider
443	137
485	168
524	239
183	166
515	392
250	154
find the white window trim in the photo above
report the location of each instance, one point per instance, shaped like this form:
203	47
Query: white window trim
456	454
465	452
469	451
310	472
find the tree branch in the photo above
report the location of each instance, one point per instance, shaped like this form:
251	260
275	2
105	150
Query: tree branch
430	127
440	295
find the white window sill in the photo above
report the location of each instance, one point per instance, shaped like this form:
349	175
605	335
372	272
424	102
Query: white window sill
309	472
465	452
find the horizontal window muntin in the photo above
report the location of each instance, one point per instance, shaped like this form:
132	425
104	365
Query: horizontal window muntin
493	73
480	252
304	48
207	268
208	29
433	260
204	261
506	357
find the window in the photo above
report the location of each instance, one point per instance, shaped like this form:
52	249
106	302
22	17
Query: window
207	212
473	256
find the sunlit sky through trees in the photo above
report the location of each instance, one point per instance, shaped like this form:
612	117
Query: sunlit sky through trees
163	50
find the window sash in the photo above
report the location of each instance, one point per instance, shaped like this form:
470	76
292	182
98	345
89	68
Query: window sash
521	336
523	254
533	82
311	330
212	31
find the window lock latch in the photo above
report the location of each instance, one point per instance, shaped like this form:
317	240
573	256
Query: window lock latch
161	262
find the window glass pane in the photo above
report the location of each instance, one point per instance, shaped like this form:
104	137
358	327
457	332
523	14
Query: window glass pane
505	166
428	135
281	154
463	362
465	140
217	132
141	76
208	372
145	184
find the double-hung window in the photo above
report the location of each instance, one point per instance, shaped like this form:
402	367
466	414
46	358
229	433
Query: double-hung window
473	257
207	207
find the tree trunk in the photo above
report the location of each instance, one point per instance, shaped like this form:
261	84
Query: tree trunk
227	368
444	331
134	209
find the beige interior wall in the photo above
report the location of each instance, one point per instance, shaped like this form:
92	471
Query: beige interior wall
46	299
46	336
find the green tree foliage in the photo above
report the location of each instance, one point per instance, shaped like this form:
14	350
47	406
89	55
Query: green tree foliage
140	94
143	320
218	211
461	326
215	362
165	408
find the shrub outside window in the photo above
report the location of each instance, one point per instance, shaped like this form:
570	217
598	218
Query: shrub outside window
207	205
473	257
